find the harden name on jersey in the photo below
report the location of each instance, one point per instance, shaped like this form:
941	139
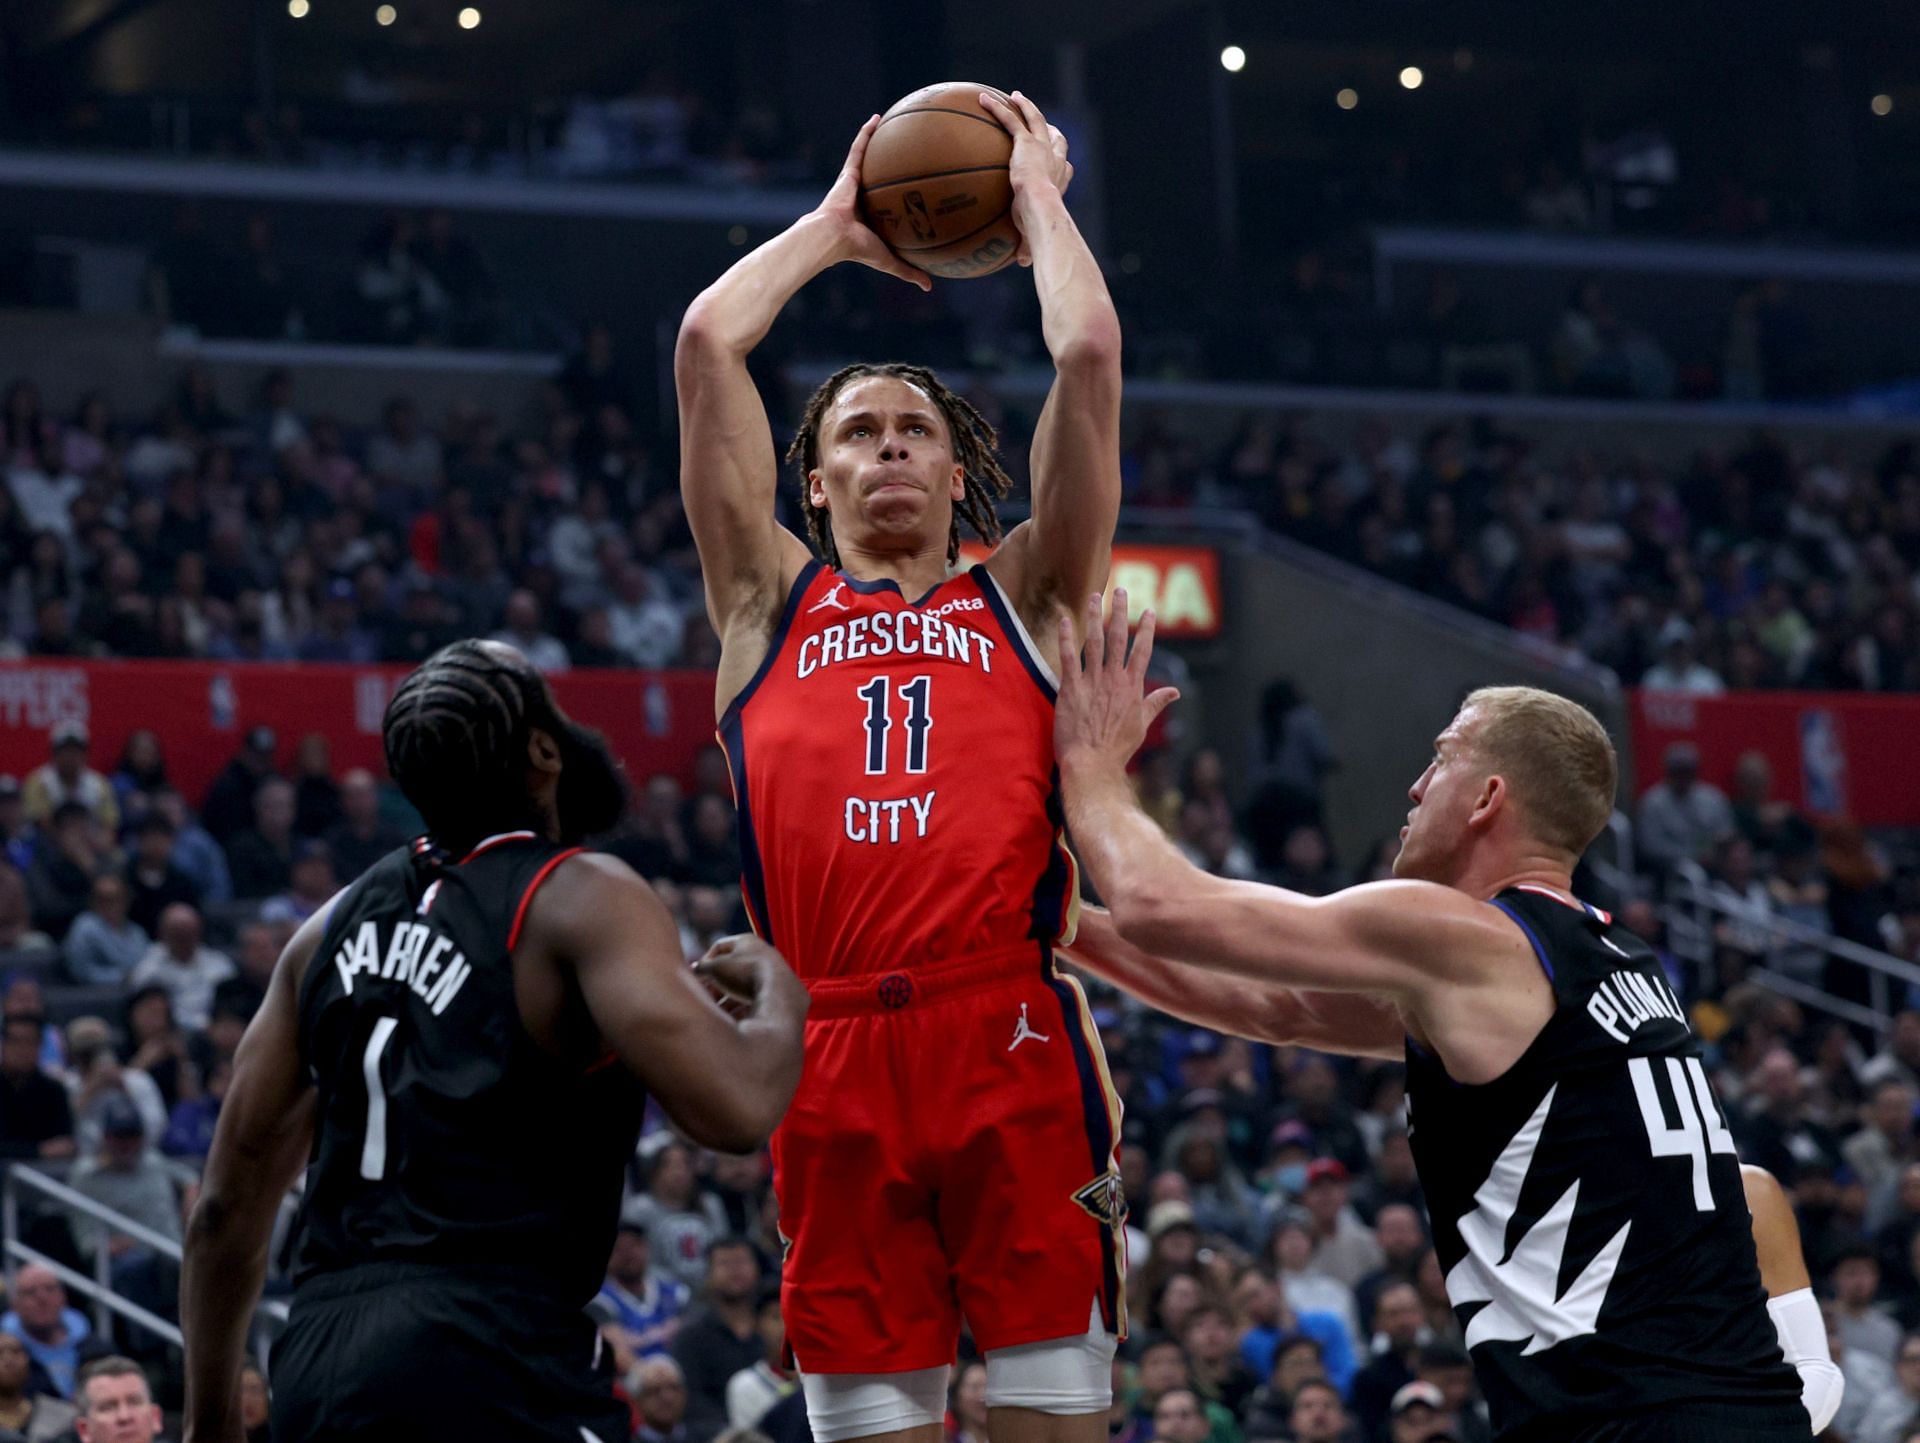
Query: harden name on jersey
414	955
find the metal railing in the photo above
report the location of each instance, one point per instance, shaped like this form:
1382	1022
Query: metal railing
1696	904
269	1316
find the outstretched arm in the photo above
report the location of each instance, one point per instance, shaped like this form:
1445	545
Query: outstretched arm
1063	552
728	471
1285	1016
261	1143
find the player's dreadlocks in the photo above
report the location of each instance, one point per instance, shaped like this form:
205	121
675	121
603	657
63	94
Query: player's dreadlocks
456	737
973	447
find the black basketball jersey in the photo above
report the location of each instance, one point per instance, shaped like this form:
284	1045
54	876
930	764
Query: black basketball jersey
444	1134
1587	1208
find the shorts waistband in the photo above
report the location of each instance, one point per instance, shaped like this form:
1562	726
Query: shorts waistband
874	993
358	1279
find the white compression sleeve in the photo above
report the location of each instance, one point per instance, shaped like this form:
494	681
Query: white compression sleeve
1803	1338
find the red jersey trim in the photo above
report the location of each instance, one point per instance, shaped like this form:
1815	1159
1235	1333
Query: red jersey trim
499	839
526	897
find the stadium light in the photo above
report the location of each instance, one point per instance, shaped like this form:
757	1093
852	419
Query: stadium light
1411	77
386	15
1233	59
298	9
1347	98
469	19
1883	104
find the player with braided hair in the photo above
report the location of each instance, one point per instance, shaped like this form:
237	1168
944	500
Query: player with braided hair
888	721
458	1049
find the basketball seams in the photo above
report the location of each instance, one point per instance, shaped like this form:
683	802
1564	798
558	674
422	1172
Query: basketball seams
953	240
930	175
941	110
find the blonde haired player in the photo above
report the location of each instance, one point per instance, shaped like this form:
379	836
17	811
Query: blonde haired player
1585	1196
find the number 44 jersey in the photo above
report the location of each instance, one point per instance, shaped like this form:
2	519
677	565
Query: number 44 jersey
893	764
1587	1208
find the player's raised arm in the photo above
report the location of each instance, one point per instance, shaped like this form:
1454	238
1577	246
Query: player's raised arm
1365	939
1062	553
259	1146
724	1081
728	472
1265	1012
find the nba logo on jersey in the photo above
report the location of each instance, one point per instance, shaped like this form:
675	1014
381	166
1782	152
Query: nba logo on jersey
426	901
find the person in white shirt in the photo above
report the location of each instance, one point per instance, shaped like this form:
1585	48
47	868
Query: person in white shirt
187	969
1678	669
752	1391
647	628
522	632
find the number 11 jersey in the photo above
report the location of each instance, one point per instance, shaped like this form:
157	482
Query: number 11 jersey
1587	1208
893	765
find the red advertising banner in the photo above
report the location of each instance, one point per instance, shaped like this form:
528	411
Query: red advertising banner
656	721
1180	583
1832	753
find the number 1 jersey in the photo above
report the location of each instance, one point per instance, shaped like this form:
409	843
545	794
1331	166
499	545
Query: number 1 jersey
1587	1207
893	765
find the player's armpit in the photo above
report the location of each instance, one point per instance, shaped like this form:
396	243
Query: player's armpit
725	1083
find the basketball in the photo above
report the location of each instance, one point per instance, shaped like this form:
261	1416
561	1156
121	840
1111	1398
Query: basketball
934	182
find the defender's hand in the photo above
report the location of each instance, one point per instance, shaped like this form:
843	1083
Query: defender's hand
1103	711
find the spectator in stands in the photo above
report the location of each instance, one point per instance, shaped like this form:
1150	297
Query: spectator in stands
682	1218
1445	1366
229	806
125	1175
1270	1321
141	772
1296	1362
96	1078
16	832
420	627
312	884
523	633
66	777
338	634
967	1402
116	1403
1178	1417
1214	1359
646	627
1863	1320
1678	668
52	1331
1318	1416
153	881
71	854
190	1125
659	1391
194	850
1899	1055
1419	1415
261	857
753	1391
404	456
34	1416
1403	1239
361	837
154	1042
1291	756
256	1404
1399	1330
647	1302
1343	1247
104	943
316	795
17	932
36	1119
182	963
1884	1147
1681	817
720	1337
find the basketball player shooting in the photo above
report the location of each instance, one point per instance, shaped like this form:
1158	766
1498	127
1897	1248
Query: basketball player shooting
1586	1200
458	1048
889	722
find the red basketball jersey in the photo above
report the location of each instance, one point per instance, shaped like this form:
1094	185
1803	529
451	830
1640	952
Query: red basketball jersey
893	765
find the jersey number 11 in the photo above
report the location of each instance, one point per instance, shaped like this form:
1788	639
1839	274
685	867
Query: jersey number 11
878	695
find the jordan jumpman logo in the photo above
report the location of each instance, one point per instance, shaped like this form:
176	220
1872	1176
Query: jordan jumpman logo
1023	1030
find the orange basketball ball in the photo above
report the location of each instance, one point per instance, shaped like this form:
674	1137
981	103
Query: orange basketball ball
934	182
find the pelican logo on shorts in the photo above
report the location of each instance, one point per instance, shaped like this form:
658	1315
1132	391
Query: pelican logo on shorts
917	217
895	990
1104	1198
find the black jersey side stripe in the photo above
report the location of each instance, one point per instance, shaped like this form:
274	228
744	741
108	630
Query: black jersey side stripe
1533	937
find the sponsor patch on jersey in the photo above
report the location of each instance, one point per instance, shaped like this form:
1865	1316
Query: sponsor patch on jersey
1104	1199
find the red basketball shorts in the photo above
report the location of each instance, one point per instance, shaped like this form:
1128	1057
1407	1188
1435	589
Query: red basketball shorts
950	1154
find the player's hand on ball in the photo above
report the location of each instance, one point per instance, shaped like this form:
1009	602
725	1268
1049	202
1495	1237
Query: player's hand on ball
1039	155
841	209
1103	711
